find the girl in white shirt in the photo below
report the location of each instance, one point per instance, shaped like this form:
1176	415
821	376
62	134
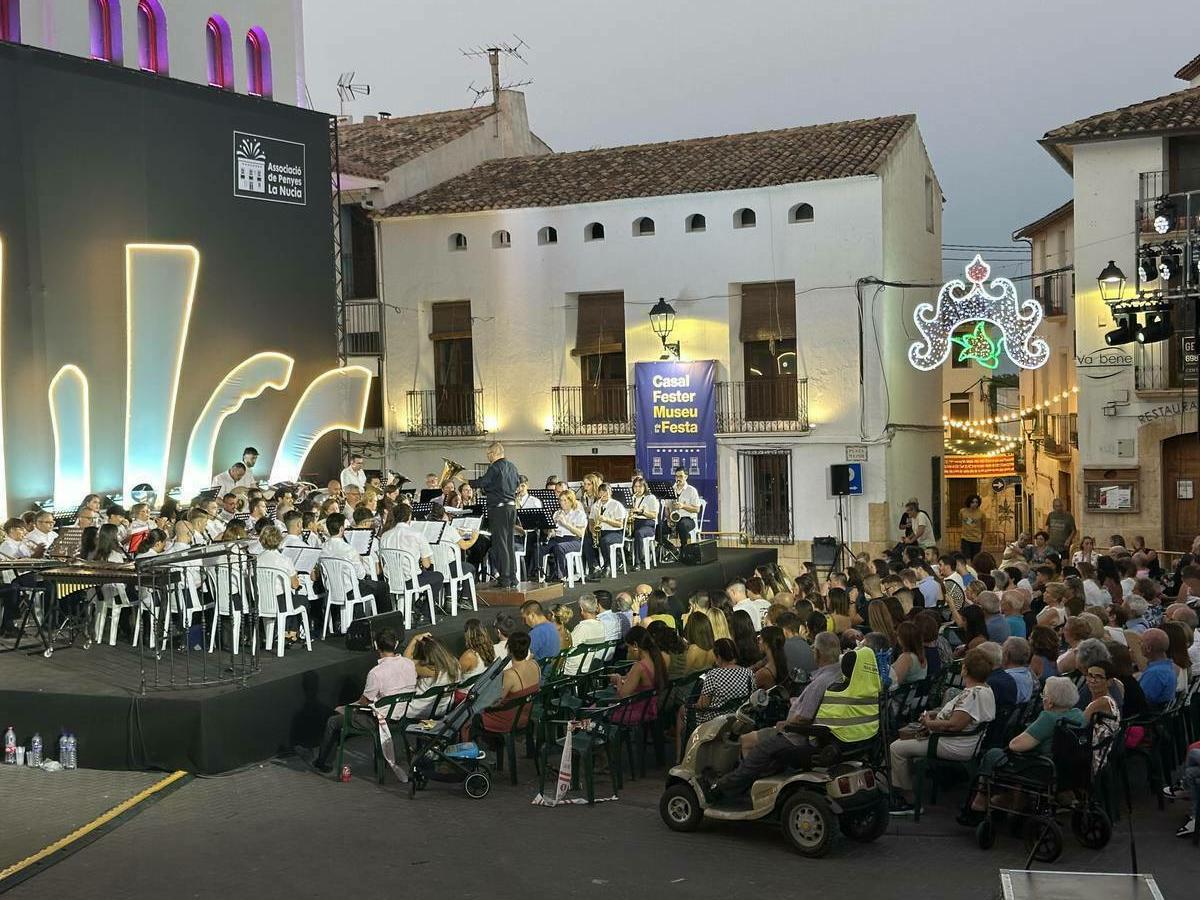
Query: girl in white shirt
570	523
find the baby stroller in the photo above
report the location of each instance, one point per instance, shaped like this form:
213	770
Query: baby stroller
434	750
1037	788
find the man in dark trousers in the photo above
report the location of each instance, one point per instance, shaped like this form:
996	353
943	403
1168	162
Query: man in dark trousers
499	486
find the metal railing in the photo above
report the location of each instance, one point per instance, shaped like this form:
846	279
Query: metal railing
604	407
762	405
1159	366
1055	292
1152	185
1062	433
363	334
766	526
446	412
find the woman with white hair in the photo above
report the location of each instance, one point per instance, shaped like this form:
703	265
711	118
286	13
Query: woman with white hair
1059	699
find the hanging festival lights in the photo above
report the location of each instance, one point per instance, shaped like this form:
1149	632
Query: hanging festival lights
1014	415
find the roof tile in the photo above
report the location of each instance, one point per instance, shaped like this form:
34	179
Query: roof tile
372	149
698	165
1179	111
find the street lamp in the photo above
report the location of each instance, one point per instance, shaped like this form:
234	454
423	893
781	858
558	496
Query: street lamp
1112	282
662	320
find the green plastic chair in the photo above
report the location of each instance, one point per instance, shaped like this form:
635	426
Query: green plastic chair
386	705
522	722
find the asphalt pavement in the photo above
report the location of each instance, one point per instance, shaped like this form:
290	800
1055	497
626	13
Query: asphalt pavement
280	830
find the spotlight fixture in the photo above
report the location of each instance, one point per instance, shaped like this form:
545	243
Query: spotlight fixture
1123	333
1157	328
1168	265
1147	266
1164	215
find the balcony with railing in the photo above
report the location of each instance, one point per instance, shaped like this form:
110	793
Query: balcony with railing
446	412
600	408
363	328
1062	434
1167	365
762	525
776	404
1055	293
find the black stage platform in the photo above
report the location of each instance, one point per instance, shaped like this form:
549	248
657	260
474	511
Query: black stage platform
94	693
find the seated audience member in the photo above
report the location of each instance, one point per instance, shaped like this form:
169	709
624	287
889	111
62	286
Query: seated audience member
522	677
1181	612
750	598
1053	613
910	664
974	628
561	616
879	645
1059	699
1158	680
1043	645
478	650
1004	688
589	630
970	708
393	674
657	609
1011	604
436	667
1015	659
997	625
745	638
700	643
648	673
772	669
614	624
506	626
672	647
937	648
543	635
1136	620
797	650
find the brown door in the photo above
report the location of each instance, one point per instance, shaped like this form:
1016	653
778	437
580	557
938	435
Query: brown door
613	468
1181	491
1064	488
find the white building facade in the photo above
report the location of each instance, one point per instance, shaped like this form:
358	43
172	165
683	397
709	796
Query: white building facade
1138	455
249	46
494	314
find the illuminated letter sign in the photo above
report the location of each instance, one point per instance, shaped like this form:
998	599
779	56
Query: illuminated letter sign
996	304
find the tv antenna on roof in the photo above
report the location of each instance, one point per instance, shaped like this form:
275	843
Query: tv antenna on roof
492	52
348	90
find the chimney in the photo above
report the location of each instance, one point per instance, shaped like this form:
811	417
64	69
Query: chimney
369	118
494	60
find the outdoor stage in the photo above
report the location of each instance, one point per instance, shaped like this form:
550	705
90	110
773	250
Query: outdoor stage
94	693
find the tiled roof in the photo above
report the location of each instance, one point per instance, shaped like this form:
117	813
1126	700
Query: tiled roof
1179	111
1049	218
1189	71
372	149
729	162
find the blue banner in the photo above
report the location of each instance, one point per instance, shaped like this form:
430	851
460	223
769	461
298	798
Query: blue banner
677	425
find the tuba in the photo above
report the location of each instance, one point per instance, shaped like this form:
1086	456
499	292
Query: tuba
449	469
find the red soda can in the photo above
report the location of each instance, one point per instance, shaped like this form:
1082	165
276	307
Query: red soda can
345	773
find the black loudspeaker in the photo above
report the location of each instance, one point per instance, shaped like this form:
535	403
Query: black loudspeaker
361	633
699	553
824	551
839	479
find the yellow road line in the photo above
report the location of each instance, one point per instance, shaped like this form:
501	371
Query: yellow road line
91	826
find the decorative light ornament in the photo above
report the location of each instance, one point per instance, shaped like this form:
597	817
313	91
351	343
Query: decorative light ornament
979	346
958	304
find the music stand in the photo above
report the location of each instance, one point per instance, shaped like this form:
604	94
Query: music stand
546	495
535	521
428	494
623	494
422	510
66	545
663	490
360	539
303	558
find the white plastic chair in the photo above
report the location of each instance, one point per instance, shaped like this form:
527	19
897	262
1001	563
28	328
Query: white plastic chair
649	552
574	568
112	599
617	553
272	583
401	570
185	600
447	559
149	604
222	579
341	587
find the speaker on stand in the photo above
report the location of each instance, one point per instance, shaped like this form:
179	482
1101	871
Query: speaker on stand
841	477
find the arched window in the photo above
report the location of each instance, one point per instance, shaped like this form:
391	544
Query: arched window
104	22
696	222
258	63
801	212
593	232
744	218
643	226
219	45
501	239
10	21
458	241
548	235
152	37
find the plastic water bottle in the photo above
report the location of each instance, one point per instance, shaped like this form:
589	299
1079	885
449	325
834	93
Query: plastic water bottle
71	762
35	751
10	747
62	749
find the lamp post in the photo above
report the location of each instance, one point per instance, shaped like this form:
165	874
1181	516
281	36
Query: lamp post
662	320
1112	282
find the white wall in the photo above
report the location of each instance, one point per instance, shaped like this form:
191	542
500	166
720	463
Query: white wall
526	296
62	25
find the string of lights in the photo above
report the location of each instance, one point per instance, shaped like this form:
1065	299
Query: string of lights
1012	416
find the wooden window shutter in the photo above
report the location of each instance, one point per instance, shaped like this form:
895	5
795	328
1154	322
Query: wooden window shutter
451	320
768	311
600	327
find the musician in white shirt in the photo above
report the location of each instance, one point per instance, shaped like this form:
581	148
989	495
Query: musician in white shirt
451	535
272	558
526	541
570	525
609	514
687	504
403	537
644	512
337	548
236	477
249	459
293	530
353	474
43	533
14	546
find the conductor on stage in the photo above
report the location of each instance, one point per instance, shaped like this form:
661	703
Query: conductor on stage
499	486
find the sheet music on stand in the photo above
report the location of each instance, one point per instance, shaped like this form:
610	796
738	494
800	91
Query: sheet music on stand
536	519
623	494
63	521
663	490
303	558
546	495
66	545
427	494
208	494
361	539
422	510
467	525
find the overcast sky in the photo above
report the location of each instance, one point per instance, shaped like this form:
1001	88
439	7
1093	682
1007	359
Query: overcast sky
986	79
